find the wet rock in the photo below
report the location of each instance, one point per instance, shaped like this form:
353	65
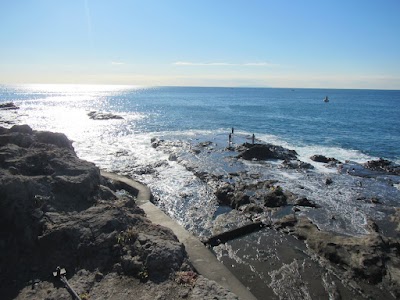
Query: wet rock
323	159
296	164
224	193
204	144
121	153
239	199
383	165
275	198
95	115
362	257
253	208
286	221
8	106
265	152
172	157
231	195
305	202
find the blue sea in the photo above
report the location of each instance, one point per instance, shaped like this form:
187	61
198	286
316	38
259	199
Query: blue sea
359	124
354	126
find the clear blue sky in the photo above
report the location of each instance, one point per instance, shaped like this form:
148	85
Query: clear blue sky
298	43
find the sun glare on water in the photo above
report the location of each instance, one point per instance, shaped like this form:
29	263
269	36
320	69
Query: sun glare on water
65	107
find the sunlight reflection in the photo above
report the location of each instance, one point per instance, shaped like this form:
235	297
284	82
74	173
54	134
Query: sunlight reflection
78	88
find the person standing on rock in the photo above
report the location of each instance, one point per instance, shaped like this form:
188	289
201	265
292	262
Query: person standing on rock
253	138
233	129
230	139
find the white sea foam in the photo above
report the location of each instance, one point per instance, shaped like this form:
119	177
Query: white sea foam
118	145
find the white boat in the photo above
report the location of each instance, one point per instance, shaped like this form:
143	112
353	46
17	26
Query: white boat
326	99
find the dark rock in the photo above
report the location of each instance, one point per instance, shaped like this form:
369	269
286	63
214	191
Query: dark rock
328	181
275	198
239	199
56	209
323	159
305	202
95	115
8	106
155	143
286	221
21	129
172	157
234	233
362	257
296	164
224	193
383	165
204	144
265	152
253	208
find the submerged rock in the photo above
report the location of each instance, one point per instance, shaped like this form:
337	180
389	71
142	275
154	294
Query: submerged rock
296	164
95	115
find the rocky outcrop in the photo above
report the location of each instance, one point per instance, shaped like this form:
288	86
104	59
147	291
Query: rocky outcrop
8	106
383	165
373	257
249	151
323	159
95	115
56	210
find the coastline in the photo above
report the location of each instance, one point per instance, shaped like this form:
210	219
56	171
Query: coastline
57	210
359	266
203	261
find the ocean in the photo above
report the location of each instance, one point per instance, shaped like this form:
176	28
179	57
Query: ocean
355	126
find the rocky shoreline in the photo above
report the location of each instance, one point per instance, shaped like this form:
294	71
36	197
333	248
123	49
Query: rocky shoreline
368	265
57	210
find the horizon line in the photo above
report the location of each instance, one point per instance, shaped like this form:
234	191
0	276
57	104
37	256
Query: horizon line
201	86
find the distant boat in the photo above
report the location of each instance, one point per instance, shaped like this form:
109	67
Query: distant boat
326	99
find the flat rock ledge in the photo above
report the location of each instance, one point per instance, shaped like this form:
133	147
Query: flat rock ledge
57	210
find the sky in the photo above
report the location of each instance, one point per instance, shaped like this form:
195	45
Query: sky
249	43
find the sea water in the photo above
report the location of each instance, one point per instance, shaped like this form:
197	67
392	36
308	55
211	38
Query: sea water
355	125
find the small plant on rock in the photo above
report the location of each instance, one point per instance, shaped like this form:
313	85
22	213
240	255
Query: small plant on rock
186	277
143	274
126	237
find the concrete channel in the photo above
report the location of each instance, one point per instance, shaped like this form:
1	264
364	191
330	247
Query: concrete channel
200	256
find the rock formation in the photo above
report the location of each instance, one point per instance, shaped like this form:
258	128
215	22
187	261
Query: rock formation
95	115
264	152
8	106
56	210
